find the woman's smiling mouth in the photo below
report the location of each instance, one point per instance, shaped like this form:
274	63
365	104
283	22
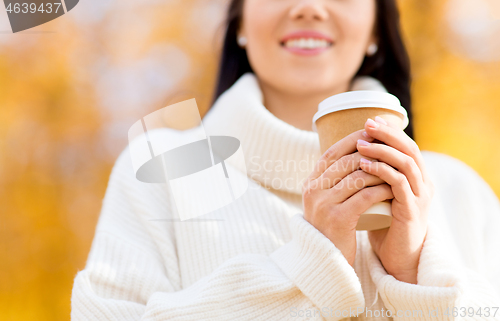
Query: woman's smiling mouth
306	42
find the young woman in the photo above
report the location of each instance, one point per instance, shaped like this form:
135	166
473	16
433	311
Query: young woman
288	249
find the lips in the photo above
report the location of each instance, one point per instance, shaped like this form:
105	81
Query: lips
306	42
306	34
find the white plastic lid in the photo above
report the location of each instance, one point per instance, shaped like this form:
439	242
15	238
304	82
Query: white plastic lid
357	99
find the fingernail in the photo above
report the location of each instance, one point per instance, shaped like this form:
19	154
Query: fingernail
365	135
371	123
365	161
363	142
379	119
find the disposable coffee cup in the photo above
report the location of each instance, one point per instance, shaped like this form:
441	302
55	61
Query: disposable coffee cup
345	113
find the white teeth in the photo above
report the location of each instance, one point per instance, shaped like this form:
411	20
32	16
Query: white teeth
307	43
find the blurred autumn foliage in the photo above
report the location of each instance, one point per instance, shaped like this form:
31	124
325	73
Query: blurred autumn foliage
71	88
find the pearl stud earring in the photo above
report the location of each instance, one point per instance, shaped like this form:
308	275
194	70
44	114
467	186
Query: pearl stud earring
242	41
372	49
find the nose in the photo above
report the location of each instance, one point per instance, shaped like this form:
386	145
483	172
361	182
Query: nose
309	10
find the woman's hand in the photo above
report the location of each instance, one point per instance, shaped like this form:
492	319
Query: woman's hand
401	165
337	192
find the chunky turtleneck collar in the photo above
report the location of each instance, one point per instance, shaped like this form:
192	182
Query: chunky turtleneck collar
278	155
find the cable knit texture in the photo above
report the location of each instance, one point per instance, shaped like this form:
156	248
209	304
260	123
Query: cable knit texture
259	259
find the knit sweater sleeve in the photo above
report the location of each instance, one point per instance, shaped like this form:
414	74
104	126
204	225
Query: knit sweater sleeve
131	275
451	285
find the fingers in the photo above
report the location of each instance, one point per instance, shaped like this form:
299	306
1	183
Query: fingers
398	139
399	184
352	184
362	200
339	170
381	120
391	156
346	145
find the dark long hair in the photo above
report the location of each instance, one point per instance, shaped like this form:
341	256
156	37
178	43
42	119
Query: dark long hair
390	65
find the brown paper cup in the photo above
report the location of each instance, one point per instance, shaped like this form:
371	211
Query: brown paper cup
334	126
343	114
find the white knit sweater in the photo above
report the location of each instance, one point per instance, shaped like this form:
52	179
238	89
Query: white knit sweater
259	259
